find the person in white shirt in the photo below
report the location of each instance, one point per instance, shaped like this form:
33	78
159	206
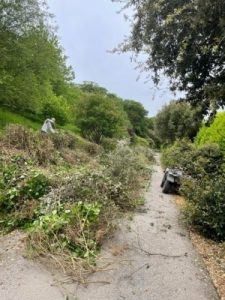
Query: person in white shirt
48	126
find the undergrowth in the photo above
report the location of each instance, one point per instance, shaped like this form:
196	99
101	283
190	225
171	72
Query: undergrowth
67	193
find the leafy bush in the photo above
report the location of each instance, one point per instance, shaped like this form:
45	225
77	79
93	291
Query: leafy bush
194	161
108	144
74	228
204	188
215	133
55	109
100	117
206	205
141	141
35	187
178	155
20	188
177	120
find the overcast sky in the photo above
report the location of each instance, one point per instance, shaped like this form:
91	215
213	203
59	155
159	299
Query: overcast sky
88	29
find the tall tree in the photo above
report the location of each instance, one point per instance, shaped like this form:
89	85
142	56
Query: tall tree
137	116
32	64
99	116
175	121
185	40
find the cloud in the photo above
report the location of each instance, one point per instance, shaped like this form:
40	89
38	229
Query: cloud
87	30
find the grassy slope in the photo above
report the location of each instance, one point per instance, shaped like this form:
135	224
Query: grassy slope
7	117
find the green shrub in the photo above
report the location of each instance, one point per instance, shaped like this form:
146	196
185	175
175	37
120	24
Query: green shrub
139	141
204	188
195	162
178	155
55	109
100	116
73	228
108	144
206	205
35	187
124	165
215	133
20	187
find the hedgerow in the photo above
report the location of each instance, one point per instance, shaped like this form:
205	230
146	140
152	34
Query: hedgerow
203	185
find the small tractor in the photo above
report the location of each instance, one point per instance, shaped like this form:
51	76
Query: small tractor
171	180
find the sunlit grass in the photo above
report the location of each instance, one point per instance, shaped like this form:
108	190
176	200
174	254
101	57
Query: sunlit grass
7	117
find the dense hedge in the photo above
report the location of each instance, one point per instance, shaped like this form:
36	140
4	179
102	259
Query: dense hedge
203	185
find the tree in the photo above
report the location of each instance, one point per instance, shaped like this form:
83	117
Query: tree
92	87
99	117
215	133
137	116
175	121
20	16
32	65
185	40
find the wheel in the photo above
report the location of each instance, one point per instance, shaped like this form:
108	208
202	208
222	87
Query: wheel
166	187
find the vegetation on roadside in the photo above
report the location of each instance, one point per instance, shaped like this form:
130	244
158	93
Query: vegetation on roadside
215	133
67	192
176	120
203	185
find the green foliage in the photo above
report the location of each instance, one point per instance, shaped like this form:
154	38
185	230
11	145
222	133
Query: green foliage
72	228
33	66
137	116
100	117
175	121
92	88
78	216
18	185
35	187
196	162
7	118
204	187
172	35
126	167
55	109
69	215
215	133
20	189
141	141
206	205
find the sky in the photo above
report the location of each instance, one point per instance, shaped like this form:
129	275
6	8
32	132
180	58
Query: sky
88	30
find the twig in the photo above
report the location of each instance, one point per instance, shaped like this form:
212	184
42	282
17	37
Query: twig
128	276
163	255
